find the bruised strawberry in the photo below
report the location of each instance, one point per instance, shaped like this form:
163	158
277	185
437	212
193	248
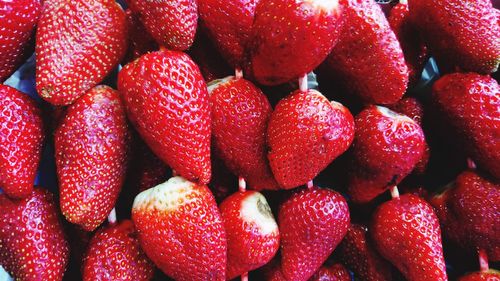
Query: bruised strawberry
168	103
336	272
489	275
77	45
306	133
139	40
406	232
21	140
181	230
91	147
240	114
291	38
32	241
312	223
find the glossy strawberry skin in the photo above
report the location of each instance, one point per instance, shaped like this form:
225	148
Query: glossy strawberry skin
306	132
114	253
336	272
469	102
32	239
291	38
172	23
140	41
312	223
21	140
386	148
459	33
181	230
168	103
252	240
490	275
19	19
406	232
240	114
91	156
78	44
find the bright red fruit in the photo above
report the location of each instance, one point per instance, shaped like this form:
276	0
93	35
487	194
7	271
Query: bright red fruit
181	230
406	232
32	242
240	114
77	45
21	140
306	132
114	254
386	148
91	155
291	38
251	231
490	275
336	272
312	223
470	103
140	41
168	103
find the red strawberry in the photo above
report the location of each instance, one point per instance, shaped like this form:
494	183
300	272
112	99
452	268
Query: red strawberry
77	44
406	232
306	132
240	114
181	230
208	59
490	275
114	254
368	61
172	23
358	254
139	40
18	23
291	38
386	148
251	231
21	139
469	102
91	146
459	33
167	101
336	272
32	242
312	223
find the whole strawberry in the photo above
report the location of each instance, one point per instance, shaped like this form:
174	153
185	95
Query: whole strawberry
181	230
386	148
19	19
306	133
114	254
335	272
32	242
312	223
469	102
459	33
406	232
21	140
489	275
291	38
240	114
77	44
91	147
140	41
168	103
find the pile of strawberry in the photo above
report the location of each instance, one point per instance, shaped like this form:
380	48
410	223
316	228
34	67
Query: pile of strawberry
175	112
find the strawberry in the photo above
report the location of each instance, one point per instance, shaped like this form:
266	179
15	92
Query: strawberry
240	113
21	140
377	74
459	33
306	133
386	148
181	230
167	101
469	102
291	38
114	254
32	241
489	275
312	223
91	147
208	59
77	44
19	19
359	255
172	23
139	40
336	272
406	232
